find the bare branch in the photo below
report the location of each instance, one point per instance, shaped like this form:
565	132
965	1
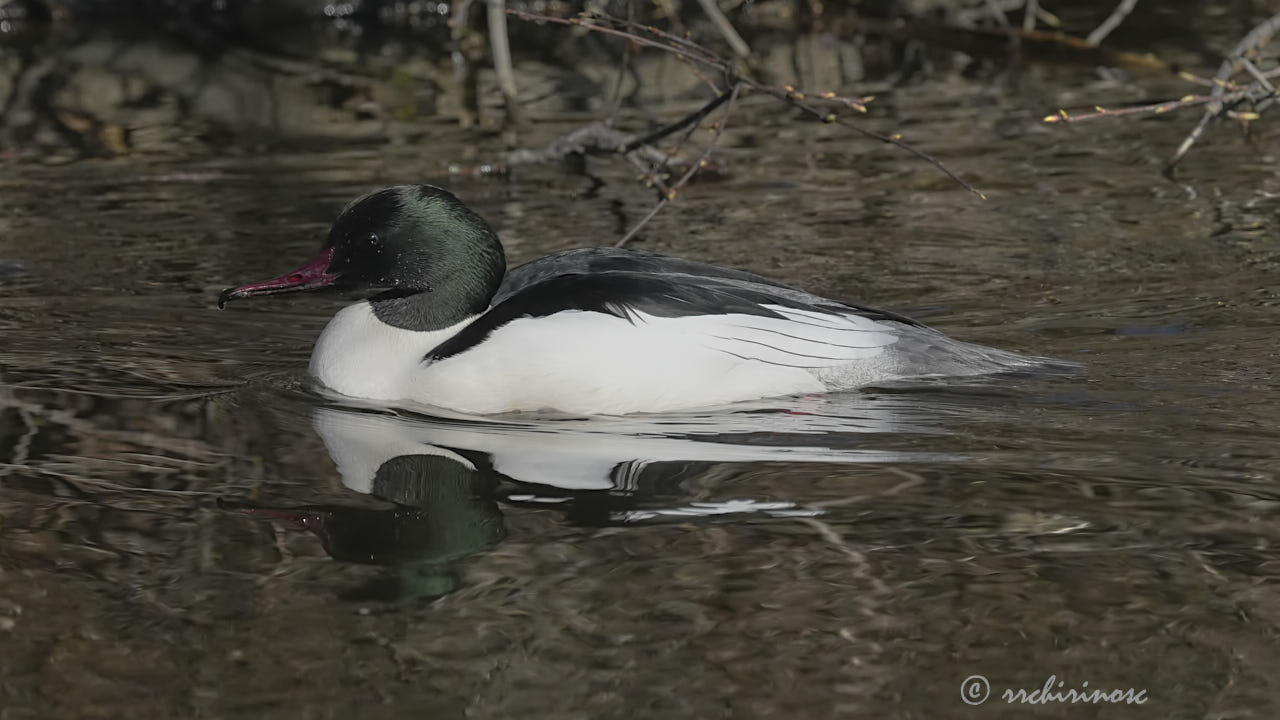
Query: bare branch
688	175
1029	12
649	36
1224	96
731	36
1112	22
1250	44
690	119
1155	108
501	49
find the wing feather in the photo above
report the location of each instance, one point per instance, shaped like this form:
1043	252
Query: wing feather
790	340
733	314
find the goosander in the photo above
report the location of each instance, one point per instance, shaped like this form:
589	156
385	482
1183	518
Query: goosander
596	331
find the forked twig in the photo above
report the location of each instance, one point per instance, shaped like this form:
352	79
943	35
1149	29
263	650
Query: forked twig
1250	44
670	194
1224	95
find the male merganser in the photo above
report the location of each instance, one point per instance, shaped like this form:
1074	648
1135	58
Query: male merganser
590	331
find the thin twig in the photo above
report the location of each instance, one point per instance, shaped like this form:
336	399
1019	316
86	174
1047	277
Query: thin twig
500	46
654	174
698	54
700	74
675	41
702	160
1112	22
727	31
1155	108
690	119
622	70
1253	41
1258	76
643	221
794	97
1224	95
895	140
616	103
1029	12
651	174
1232	98
693	169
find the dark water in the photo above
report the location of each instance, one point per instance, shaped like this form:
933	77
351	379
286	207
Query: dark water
187	530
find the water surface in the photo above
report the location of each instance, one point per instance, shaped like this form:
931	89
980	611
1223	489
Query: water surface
188	530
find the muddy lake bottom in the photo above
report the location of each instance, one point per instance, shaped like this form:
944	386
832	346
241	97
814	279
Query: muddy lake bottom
177	538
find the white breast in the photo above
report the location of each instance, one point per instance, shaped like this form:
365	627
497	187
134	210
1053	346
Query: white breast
361	356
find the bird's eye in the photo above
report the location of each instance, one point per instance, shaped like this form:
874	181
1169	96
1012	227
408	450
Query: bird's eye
372	240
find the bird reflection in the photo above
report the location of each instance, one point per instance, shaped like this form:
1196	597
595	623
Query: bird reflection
448	478
442	510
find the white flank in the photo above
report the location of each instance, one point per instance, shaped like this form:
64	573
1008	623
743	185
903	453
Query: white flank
596	363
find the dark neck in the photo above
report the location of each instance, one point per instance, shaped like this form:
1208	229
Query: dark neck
446	301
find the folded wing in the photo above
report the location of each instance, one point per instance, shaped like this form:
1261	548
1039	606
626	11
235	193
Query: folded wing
733	315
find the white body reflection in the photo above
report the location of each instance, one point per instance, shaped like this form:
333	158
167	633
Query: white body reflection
601	453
